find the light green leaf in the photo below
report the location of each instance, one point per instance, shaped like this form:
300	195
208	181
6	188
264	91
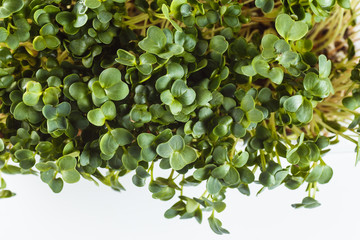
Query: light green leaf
179	160
290	29
265	5
67	163
213	185
115	88
71	176
92	3
221	171
305	112
10	6
96	117
164	150
292	104
219	44
39	43
240	160
324	67
216	226
344	3
125	58
232	177
154	42
177	143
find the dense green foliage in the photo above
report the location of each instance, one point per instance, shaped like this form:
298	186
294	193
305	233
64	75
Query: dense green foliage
219	92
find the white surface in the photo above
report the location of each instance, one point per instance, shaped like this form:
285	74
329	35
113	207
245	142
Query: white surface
84	211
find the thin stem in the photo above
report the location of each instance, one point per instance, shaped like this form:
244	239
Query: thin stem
172	174
151	169
182	186
263	161
339	106
335	131
314	191
108	126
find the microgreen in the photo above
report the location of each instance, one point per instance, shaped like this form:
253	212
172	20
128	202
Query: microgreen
99	89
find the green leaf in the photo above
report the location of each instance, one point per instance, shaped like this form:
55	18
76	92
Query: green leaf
305	112
275	74
292	156
164	194
139	114
145	139
164	150
219	206
221	171
33	93
6	194
255	115
317	87
92	3
56	185
67	163
175	8
52	42
321	174
240	160
48	29
96	117
71	176
247	103
232	177
23	112
154	42
267	179
215	225
179	160
39	43
290	29
165	10
213	185
324	67
125	58
2	146
350	103
307	202
138	181
265	95
51	96
63	109
265	5
203	173
292	104
219	44
3	34
177	143
344	3
110	81
10	6
110	141
185	9
26	158
109	110
244	189
141	172
220	154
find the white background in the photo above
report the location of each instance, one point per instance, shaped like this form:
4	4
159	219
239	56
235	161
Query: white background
84	211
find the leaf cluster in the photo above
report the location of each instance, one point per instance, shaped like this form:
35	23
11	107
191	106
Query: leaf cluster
207	91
